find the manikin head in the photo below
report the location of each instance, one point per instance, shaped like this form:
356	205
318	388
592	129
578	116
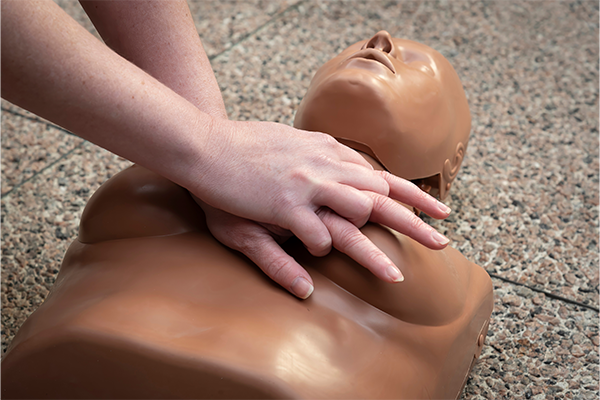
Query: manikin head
398	101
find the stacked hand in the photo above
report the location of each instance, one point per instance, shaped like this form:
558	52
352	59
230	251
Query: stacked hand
281	181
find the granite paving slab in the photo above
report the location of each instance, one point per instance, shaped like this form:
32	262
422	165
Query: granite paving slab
537	348
40	219
29	146
526	200
221	24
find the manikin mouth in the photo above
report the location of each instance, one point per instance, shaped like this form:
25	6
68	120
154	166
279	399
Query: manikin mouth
376	55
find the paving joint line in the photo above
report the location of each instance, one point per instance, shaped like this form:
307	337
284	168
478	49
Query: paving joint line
547	294
41	121
260	28
53	163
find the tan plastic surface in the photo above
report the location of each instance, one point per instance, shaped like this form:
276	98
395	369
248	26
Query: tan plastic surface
181	316
397	100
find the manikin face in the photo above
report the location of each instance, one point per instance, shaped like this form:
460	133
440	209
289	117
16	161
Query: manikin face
396	99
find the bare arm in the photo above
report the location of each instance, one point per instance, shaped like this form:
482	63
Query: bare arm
160	38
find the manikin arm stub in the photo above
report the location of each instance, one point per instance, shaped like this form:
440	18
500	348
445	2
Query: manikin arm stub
261	171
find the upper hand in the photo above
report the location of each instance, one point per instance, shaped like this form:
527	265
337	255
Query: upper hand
274	174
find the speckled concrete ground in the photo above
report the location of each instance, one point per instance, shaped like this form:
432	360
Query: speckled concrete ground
525	205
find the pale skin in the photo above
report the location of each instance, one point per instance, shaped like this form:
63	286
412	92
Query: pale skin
154	100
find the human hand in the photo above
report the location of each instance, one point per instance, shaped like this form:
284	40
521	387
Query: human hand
278	175
261	245
260	242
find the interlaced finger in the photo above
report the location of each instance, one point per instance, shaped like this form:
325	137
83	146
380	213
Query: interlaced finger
350	203
389	213
363	178
348	239
410	194
306	225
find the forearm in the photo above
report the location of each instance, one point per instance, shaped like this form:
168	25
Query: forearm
160	37
56	69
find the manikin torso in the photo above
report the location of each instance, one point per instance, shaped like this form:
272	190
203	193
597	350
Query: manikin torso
149	305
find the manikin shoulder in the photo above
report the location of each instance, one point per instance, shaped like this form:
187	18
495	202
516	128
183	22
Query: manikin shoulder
138	203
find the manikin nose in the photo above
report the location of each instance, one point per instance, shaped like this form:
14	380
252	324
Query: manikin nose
381	41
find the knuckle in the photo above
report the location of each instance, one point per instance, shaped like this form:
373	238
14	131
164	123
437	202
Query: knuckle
278	269
241	242
414	223
295	216
285	208
321	248
349	237
244	239
384	181
322	160
385	188
304	181
387	176
329	140
229	236
382	203
420	195
299	175
365	206
376	257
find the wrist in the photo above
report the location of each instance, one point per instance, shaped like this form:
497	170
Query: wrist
200	167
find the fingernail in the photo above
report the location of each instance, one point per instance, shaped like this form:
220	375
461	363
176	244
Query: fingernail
302	288
445	209
438	237
395	274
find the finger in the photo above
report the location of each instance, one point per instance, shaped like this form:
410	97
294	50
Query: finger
350	203
311	231
256	243
409	193
389	213
279	266
348	239
364	179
